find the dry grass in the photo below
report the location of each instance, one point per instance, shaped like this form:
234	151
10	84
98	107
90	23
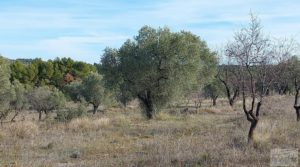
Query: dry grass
24	129
213	136
86	124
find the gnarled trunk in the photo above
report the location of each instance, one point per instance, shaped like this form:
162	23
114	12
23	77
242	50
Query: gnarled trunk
253	119
149	110
47	114
251	130
231	98
147	103
296	105
297	108
40	115
95	108
250	115
214	100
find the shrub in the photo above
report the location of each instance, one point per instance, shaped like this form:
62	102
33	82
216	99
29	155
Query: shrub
70	113
45	99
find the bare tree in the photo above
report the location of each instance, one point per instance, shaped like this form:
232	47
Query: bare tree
250	51
294	70
287	72
282	51
228	76
296	104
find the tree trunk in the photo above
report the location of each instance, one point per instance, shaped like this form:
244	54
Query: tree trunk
13	118
251	130
95	109
214	99
40	115
297	108
230	98
149	111
47	114
147	103
231	102
296	105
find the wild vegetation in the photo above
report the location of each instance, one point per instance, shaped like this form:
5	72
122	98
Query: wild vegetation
195	108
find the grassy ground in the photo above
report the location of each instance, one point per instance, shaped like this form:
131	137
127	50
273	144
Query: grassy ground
213	136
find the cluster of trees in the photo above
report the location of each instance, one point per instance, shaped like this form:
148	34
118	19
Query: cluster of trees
158	67
257	67
39	85
58	72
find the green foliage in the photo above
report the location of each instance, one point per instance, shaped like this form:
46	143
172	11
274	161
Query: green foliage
93	90
44	99
110	67
74	90
81	69
213	90
31	74
5	87
19	100
68	114
40	73
18	71
156	67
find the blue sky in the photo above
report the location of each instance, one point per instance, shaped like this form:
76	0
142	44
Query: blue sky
81	29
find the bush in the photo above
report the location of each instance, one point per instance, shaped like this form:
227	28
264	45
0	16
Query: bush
71	113
45	99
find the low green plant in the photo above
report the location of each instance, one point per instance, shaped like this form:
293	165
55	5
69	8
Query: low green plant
68	114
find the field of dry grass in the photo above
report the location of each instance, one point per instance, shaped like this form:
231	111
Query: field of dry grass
213	136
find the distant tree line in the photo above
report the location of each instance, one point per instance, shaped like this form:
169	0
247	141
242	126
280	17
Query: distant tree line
58	72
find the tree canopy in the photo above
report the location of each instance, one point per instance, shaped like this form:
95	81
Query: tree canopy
5	87
45	99
58	72
156	66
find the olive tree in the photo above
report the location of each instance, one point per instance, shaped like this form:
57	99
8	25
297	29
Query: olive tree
74	91
93	91
5	87
213	90
156	66
19	101
112	78
45	99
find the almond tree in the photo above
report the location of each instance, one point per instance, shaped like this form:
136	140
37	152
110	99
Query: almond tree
294	70
250	51
284	71
228	75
